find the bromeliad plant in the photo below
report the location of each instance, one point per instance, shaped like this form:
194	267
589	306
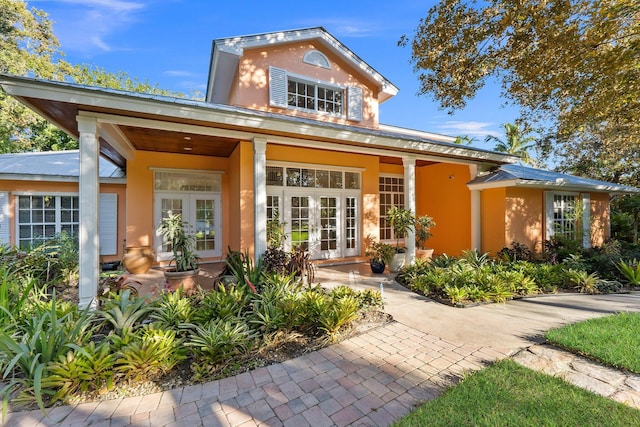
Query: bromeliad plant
630	271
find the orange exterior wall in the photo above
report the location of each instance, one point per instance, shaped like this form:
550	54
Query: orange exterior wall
600	218
493	215
18	186
524	217
442	193
252	85
240	224
369	187
139	215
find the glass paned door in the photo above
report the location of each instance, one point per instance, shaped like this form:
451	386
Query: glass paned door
351	226
300	222
201	211
329	220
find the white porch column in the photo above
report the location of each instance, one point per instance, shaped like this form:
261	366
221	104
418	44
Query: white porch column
476	213
89	195
409	163
260	195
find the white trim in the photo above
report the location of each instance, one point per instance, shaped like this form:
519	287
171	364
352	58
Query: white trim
586	220
547	185
21	87
45	193
315	57
391	175
316	166
56	178
306	79
193	171
5	232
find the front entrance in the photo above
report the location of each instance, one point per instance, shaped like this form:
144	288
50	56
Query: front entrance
324	224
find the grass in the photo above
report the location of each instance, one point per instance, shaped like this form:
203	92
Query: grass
613	340
507	394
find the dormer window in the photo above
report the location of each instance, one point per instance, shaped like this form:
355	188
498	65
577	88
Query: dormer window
314	96
288	90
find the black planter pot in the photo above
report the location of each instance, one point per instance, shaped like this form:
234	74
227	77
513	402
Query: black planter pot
377	267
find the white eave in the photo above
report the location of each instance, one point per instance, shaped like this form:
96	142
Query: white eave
555	186
250	123
226	54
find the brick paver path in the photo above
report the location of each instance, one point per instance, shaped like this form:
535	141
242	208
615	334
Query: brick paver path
370	380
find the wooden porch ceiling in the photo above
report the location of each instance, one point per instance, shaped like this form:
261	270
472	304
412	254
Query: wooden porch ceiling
178	142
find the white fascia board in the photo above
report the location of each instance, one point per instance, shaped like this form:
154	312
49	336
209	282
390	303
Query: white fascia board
547	185
253	123
55	178
418	133
236	46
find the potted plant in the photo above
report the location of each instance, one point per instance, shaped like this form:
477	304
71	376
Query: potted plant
174	232
423	227
402	221
380	254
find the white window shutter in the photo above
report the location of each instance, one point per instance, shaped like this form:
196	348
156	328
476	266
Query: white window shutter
4	218
586	220
277	87
108	224
354	109
548	200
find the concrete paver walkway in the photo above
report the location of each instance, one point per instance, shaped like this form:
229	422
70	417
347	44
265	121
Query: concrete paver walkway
372	379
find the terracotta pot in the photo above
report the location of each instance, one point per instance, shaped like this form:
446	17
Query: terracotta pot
184	279
424	254
138	259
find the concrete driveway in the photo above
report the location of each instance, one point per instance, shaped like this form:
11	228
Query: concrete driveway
515	324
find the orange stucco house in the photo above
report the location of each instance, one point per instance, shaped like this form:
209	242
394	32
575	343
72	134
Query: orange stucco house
289	129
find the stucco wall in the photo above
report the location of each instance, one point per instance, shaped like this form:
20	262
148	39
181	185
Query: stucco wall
139	213
524	217
600	218
493	217
442	193
252	85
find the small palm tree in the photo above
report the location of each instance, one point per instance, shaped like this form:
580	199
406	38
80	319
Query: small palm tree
517	142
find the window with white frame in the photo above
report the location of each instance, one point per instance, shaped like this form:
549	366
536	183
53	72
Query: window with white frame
391	195
42	217
568	216
288	90
314	96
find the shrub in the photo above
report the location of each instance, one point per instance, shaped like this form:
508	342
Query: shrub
516	252
340	312
219	340
174	309
155	352
80	371
125	312
630	271
221	304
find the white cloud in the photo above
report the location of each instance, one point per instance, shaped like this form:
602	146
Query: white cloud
178	73
88	26
472	129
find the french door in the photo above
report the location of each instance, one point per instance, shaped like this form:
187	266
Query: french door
327	225
201	211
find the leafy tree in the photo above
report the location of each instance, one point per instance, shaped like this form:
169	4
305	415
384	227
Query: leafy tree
571	66
465	140
28	47
517	142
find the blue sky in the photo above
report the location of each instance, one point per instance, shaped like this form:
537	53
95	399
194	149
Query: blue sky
168	42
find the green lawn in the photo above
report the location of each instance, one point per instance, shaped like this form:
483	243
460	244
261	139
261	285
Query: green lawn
507	394
612	340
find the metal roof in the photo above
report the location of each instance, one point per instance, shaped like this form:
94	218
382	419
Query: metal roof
59	164
518	175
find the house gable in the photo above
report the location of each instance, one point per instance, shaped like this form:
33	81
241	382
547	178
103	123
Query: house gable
260	72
